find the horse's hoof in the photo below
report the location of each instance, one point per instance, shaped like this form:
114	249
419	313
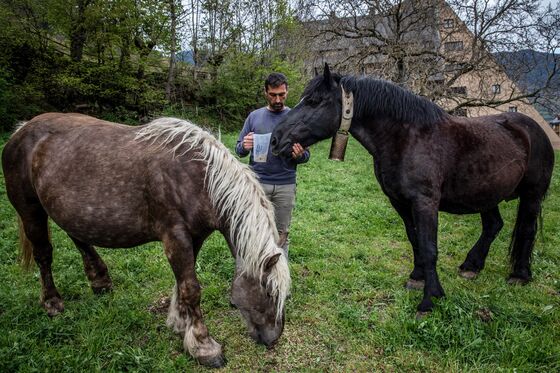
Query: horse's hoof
469	275
414	284
53	306
420	315
218	361
517	281
102	289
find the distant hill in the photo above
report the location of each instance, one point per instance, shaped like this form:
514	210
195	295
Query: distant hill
185	56
530	69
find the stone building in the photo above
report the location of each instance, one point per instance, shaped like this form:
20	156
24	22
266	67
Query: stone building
426	47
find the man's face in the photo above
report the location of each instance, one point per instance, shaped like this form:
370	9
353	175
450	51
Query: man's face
276	96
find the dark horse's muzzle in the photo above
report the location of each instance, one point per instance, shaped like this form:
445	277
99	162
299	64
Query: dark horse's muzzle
281	144
273	143
280	147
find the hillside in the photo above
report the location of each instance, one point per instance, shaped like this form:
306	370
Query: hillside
531	69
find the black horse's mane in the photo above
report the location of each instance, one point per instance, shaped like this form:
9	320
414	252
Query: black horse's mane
381	98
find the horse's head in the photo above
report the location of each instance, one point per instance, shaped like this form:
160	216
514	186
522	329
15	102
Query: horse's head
258	304
315	118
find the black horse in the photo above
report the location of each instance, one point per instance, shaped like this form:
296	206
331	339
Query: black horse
428	161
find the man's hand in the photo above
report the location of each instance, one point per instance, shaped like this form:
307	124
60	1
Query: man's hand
297	151
248	141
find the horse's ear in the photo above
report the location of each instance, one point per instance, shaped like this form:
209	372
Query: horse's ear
316	72
271	262
327	74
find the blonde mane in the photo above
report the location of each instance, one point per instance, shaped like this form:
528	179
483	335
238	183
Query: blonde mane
19	126
236	195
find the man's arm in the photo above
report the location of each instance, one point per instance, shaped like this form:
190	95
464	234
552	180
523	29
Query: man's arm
242	152
299	154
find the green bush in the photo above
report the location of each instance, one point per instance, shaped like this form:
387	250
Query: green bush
104	89
236	87
5	99
17	101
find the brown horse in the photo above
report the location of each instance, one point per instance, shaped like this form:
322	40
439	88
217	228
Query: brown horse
114	185
428	161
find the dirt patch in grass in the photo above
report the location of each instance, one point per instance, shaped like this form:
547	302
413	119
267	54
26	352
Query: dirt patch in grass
161	305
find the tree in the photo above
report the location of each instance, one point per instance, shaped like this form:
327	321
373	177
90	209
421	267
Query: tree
173	16
422	45
78	31
90	55
120	56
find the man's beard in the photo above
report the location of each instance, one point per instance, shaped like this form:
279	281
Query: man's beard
277	106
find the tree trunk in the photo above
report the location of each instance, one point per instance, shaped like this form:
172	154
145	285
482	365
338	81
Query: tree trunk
171	73
78	32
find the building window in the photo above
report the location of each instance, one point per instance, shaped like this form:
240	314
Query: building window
453	46
512	109
496	88
462	90
448	23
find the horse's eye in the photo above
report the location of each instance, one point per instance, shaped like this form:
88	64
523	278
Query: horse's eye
313	102
310	101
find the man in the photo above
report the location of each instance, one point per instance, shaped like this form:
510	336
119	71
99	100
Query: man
276	174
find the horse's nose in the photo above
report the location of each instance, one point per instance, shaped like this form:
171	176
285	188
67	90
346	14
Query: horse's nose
268	339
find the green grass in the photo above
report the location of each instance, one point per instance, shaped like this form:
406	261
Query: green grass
349	258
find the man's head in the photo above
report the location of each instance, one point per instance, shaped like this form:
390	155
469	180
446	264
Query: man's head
276	91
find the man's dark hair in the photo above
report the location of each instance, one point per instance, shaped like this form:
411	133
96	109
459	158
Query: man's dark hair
275	80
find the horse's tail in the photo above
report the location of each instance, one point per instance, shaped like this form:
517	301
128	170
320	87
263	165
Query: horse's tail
515	251
533	191
25	247
541	218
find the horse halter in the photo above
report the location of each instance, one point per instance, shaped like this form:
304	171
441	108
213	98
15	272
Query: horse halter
340	140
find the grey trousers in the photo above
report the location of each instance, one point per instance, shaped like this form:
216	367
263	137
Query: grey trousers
283	197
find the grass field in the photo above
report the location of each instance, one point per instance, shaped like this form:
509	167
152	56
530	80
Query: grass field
349	311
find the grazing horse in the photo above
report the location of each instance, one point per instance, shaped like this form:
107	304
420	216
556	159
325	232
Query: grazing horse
114	185
428	161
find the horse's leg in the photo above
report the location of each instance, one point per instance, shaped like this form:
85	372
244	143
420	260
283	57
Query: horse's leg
425	217
233	250
492	223
35	225
524	239
185	316
416	278
95	268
